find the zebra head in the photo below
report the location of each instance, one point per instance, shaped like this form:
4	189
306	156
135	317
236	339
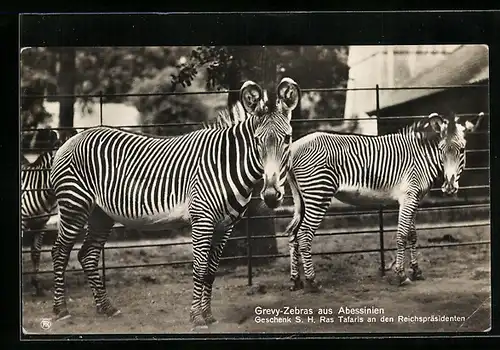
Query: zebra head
273	133
452	141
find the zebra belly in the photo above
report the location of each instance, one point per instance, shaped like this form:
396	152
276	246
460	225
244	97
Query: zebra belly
175	217
360	195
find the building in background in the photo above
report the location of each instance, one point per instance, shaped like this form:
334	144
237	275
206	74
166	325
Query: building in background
411	66
439	66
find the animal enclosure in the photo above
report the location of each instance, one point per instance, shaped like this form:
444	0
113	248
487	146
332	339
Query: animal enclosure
152	275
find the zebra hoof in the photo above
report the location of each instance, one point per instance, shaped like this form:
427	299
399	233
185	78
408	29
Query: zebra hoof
63	315
417	276
397	279
312	286
199	323
210	319
199	328
115	314
404	282
296	285
212	322
110	311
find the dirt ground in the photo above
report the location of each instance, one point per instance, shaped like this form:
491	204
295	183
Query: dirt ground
157	299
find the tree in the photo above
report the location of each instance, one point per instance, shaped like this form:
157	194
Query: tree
33	84
84	71
310	66
66	81
163	109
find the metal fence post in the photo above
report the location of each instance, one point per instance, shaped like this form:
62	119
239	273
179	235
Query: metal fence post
103	249
381	209
100	107
381	238
249	249
103	267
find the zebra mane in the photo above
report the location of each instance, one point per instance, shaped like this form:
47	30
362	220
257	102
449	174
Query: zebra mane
44	159
424	134
228	117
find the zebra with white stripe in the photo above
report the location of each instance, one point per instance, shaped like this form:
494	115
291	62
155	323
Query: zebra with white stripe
207	177
37	202
357	169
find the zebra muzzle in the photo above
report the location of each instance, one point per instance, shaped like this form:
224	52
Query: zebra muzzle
450	187
272	197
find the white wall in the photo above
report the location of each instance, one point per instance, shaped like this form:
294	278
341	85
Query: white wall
113	114
387	66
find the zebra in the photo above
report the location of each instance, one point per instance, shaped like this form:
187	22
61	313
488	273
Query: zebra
358	169
206	177
37	203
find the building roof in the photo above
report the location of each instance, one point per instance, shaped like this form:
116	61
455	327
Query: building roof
467	65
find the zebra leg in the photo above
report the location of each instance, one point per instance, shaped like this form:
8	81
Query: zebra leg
60	256
312	219
416	274
36	248
407	210
208	280
305	247
316	202
202	232
388	267
72	218
293	244
100	226
294	266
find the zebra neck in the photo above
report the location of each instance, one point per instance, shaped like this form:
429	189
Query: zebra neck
432	159
247	161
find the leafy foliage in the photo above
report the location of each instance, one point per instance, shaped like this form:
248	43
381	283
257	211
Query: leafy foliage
115	70
161	109
310	66
111	70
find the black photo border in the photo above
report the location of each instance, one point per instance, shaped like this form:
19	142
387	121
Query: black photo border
334	28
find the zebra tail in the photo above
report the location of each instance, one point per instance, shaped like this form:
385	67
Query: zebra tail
298	203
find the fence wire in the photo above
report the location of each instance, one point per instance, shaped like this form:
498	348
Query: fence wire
249	257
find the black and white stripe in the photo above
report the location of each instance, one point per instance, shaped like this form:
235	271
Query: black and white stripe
104	175
399	167
37	203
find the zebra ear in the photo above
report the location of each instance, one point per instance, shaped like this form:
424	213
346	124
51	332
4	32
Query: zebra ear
57	144
289	93
250	96
473	123
65	135
24	161
436	122
54	139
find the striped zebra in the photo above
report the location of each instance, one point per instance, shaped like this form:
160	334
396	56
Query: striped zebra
37	203
206	177
357	169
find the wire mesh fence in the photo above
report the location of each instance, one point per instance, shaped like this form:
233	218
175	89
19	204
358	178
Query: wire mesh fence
249	240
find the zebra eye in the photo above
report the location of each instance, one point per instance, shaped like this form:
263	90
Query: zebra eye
287	138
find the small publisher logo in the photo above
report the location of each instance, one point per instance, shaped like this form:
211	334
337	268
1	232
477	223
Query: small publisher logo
45	323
